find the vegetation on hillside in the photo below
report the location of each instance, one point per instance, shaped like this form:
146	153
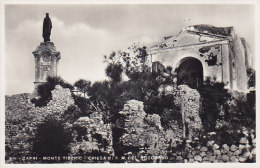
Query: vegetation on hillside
222	111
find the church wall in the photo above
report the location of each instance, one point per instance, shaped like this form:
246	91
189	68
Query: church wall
214	69
240	66
226	70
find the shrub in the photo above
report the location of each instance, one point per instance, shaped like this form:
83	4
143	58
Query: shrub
51	139
44	90
83	104
213	97
114	72
72	114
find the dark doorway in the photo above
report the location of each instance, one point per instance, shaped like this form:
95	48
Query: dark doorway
190	72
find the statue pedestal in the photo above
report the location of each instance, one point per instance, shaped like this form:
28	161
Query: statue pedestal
46	62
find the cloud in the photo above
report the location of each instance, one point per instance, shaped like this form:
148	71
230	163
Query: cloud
82	48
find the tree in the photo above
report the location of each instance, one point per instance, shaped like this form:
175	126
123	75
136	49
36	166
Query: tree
114	72
44	90
82	85
133	61
214	96
51	139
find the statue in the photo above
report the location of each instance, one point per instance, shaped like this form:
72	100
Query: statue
47	25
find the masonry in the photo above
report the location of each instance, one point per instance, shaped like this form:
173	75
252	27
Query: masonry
46	62
202	51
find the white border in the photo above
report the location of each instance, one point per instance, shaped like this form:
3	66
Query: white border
256	3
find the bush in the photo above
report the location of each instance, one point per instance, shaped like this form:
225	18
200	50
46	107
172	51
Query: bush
51	139
114	72
44	90
214	97
83	104
72	114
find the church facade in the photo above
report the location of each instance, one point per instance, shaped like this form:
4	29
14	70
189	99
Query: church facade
202	51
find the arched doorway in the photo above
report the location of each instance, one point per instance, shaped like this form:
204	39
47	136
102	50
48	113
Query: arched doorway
190	72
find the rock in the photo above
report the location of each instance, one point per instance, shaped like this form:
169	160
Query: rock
189	155
204	149
243	140
226	147
217	152
210	143
229	153
215	147
179	158
254	142
233	148
202	154
241	147
212	133
223	151
196	138
245	132
253	151
195	152
233	159
198	158
246	154
237	152
242	159
225	158
248	146
205	158
212	158
191	160
198	147
205	161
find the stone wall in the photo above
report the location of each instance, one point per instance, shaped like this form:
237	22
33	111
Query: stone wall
144	137
144	134
91	135
22	118
189	101
242	151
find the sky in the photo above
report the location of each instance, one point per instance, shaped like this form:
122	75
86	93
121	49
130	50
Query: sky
85	33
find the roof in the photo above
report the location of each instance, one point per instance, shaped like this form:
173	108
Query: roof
223	31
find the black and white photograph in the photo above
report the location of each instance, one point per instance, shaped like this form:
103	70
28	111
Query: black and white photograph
147	83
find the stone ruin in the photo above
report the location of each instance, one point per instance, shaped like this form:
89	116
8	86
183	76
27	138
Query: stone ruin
144	135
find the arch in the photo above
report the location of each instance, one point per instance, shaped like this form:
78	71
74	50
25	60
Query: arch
190	72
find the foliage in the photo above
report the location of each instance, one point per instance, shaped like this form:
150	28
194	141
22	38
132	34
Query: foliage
172	113
114	72
251	81
51	139
132	62
72	114
242	112
84	104
44	90
82	85
214	97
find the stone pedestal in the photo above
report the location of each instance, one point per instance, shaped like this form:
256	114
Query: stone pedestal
46	62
